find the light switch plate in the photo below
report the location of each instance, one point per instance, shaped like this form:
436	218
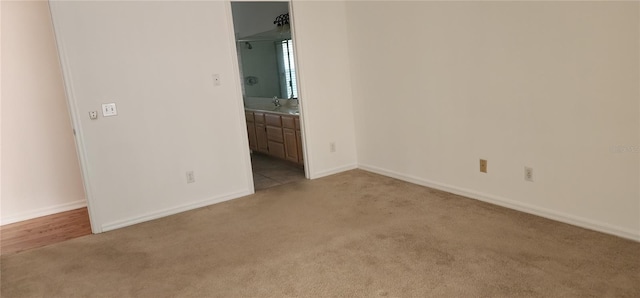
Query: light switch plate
109	109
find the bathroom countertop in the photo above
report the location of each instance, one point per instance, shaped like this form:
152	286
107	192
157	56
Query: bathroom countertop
283	110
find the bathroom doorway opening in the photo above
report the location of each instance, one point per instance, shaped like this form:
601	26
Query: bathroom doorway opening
267	68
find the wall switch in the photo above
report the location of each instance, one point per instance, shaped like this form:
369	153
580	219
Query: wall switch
332	147
528	174
483	165
109	109
216	80
191	178
93	115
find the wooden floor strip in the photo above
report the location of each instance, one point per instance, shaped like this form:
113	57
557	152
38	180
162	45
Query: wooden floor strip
44	230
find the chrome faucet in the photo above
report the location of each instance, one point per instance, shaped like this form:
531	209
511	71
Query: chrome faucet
276	101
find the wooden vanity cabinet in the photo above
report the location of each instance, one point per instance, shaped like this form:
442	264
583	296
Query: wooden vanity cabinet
276	135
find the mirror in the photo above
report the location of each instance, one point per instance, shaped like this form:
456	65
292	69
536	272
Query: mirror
265	49
268	68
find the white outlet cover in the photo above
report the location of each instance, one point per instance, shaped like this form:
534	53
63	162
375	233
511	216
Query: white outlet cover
528	174
109	109
191	178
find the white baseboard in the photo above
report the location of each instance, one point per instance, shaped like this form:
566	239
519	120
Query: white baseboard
511	204
333	171
31	214
171	211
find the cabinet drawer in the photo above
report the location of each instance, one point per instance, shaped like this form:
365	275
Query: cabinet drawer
259	117
297	121
273	120
248	116
287	122
274	134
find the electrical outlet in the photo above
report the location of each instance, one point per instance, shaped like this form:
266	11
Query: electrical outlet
528	174
332	147
93	115
109	109
191	178
483	165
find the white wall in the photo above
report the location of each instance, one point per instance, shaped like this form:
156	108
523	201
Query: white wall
40	167
550	85
155	60
1	117
320	39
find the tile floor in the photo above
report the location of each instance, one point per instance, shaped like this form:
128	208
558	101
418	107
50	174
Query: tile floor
270	172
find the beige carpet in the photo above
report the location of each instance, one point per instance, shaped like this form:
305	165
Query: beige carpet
354	234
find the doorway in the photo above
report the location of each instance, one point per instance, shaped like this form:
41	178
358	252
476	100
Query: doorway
267	68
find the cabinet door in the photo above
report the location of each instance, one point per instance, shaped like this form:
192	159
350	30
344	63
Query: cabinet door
251	131
276	149
261	138
290	144
299	147
297	123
